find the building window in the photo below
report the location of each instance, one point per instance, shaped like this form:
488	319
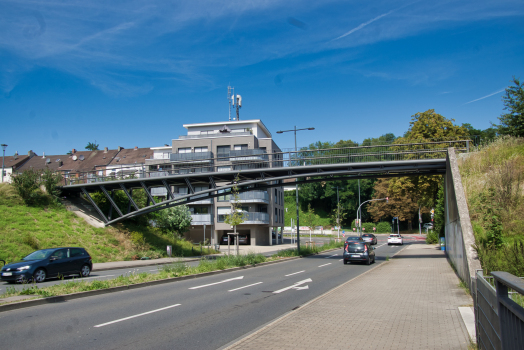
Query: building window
276	215
240	147
223	150
222	212
276	196
184	150
223	168
225	197
200	149
199	210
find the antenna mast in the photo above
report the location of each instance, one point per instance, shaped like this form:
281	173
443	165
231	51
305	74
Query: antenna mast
235	101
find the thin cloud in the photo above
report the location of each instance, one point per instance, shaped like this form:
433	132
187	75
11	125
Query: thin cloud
363	25
478	99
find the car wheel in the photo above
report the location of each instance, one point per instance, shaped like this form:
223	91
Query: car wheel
85	271
368	261
39	275
345	262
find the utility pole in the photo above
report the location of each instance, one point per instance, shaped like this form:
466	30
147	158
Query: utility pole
3	157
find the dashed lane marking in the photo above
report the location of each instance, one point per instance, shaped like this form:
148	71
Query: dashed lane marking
254	284
134	316
294	273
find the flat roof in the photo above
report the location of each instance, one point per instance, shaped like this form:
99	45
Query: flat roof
230	122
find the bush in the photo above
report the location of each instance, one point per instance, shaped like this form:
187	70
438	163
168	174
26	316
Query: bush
31	241
383	227
432	237
26	184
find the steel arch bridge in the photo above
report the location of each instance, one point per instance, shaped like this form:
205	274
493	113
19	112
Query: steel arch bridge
256	171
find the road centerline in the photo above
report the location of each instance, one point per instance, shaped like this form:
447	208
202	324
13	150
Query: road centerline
212	284
325	264
327	257
294	273
254	284
134	316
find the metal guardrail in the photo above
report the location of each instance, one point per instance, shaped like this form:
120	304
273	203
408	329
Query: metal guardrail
197	163
216	134
499	320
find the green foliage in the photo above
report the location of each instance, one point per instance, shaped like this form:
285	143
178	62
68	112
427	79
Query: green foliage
175	220
432	237
383	227
492	233
92	146
309	219
236	217
30	241
26	185
512	123
51	180
439	218
480	136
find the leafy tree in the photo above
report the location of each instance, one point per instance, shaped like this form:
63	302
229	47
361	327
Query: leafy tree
309	219
237	216
92	146
428	125
512	123
480	136
174	220
51	179
402	204
26	185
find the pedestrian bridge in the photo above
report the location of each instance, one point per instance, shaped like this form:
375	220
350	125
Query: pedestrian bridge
253	170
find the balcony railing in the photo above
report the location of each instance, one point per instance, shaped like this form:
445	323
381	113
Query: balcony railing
250	218
216	134
253	196
201	219
192	157
248	154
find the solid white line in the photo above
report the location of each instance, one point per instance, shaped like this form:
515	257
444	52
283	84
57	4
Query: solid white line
212	284
341	259
294	273
325	264
130	317
293	286
254	284
327	257
153	270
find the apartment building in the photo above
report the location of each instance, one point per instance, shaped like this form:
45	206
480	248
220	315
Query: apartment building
224	146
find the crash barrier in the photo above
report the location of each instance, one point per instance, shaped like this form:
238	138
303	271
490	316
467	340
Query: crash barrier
499	319
458	229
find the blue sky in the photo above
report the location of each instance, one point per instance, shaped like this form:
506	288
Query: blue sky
130	73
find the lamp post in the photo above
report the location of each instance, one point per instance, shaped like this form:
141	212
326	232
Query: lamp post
296	185
3	157
358	211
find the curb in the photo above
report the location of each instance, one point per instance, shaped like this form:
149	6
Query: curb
67	297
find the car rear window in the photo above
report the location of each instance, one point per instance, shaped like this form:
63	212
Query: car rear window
394	236
76	252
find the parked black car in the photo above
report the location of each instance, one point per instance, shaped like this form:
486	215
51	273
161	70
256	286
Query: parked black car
46	263
370	238
358	251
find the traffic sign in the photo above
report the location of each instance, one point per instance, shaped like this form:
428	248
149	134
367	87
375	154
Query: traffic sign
343	235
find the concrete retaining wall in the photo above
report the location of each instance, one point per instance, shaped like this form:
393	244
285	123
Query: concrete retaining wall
458	229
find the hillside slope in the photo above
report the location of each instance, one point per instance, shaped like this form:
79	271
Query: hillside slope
24	229
493	180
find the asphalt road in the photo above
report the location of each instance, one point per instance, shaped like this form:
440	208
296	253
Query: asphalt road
202	313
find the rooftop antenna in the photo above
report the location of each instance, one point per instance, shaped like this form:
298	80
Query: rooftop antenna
230	98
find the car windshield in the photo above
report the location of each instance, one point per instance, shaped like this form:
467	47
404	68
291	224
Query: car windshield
39	254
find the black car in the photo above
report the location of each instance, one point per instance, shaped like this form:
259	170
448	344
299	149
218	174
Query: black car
358	251
46	263
370	238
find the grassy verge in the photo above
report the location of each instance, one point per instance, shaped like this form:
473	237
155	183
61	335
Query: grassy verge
308	251
24	229
164	271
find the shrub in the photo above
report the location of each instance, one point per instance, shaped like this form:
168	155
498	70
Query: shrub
31	241
383	227
26	184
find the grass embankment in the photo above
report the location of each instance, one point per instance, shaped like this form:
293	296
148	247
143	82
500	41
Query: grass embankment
165	271
24	229
493	180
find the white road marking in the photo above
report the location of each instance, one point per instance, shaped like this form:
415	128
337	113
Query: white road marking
325	264
212	284
130	317
294	286
294	273
254	284
341	259
327	257
153	270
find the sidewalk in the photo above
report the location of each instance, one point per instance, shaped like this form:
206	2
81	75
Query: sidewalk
410	302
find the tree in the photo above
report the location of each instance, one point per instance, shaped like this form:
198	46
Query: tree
51	179
174	220
26	185
480	136
92	146
309	219
236	217
512	123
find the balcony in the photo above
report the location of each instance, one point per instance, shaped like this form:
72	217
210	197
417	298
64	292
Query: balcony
251	218
253	197
215	134
198	157
248	154
201	219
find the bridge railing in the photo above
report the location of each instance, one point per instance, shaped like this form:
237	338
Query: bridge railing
300	158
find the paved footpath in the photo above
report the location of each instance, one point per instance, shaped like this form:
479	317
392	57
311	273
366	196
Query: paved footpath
411	302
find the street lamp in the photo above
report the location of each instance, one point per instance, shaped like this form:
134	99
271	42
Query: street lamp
358	211
3	157
296	179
